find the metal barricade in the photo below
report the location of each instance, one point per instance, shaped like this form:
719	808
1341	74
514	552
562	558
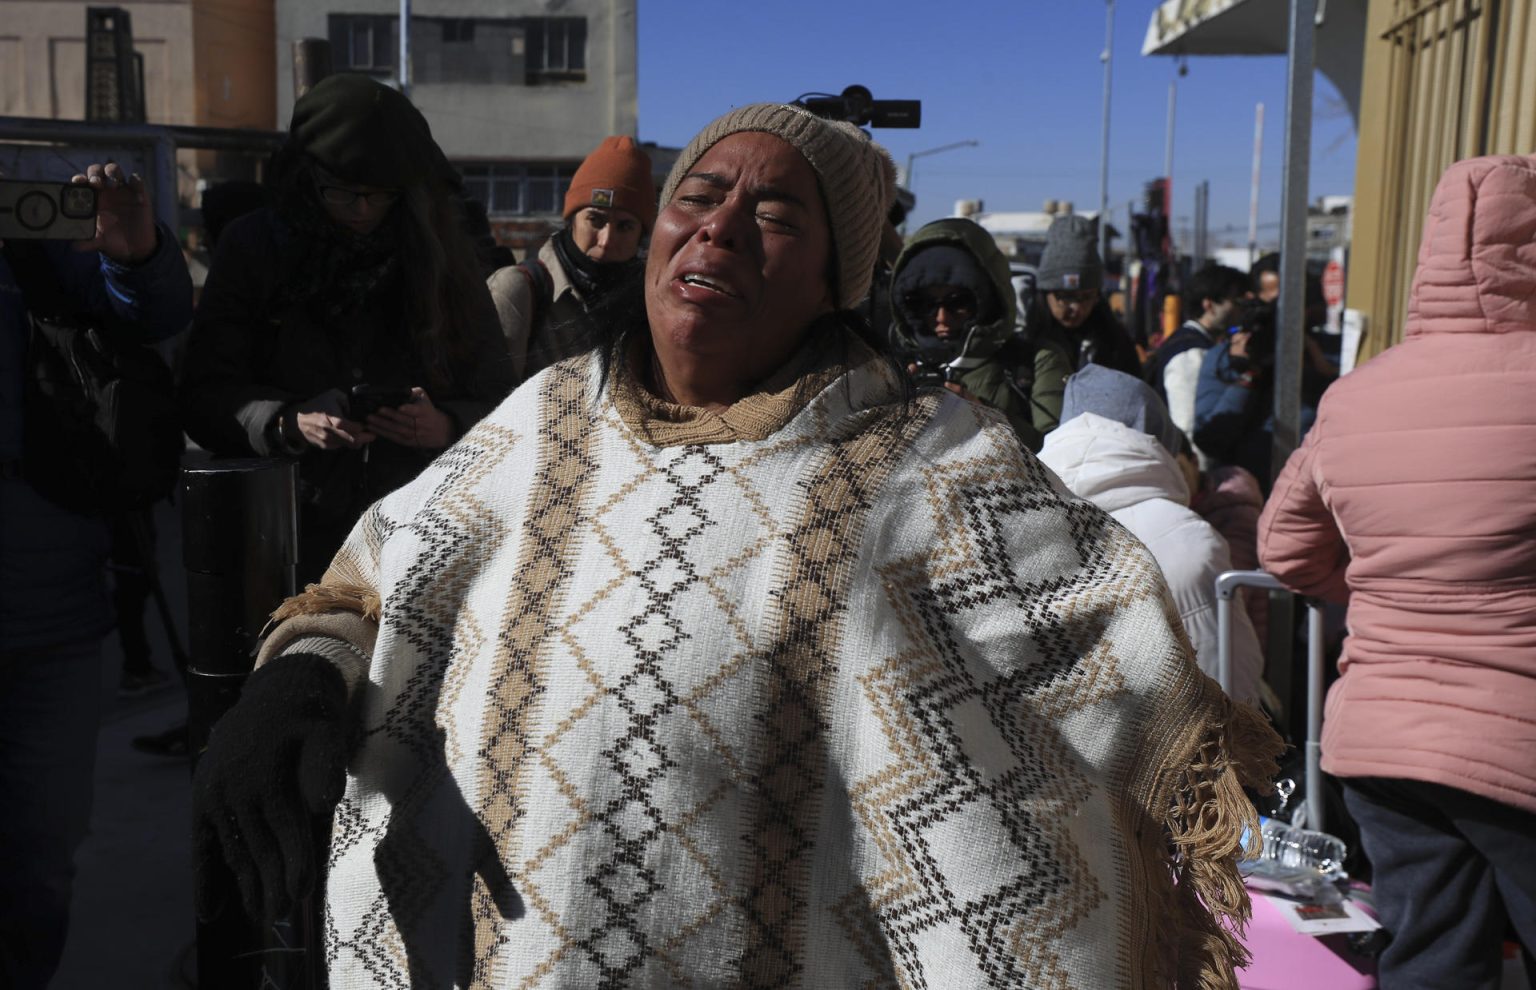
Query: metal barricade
1228	584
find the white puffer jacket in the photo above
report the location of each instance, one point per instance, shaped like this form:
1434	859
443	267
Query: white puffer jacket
1128	474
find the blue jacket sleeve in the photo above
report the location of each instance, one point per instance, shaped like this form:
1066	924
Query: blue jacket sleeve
151	300
1223	404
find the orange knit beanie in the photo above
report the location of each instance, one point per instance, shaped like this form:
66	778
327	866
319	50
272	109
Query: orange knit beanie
618	175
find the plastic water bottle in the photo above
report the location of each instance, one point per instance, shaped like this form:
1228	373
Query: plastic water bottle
1298	848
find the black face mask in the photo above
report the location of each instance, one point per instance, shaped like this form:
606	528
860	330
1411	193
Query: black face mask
590	277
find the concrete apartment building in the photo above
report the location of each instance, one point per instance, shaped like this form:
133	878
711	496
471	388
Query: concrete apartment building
517	91
205	63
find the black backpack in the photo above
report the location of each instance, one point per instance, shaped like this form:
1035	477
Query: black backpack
102	433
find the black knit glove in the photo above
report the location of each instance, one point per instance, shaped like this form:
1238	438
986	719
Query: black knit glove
275	763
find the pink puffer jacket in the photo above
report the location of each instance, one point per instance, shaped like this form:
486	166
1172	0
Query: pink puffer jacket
1415	495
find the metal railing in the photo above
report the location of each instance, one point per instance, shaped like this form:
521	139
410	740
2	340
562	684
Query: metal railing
152	146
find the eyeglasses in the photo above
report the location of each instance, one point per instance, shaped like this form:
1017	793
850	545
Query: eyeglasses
339	196
959	303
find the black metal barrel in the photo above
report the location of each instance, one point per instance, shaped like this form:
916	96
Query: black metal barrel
240	548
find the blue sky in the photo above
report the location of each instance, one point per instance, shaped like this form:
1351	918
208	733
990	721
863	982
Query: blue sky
1022	77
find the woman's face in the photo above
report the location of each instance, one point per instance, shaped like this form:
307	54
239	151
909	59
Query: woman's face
358	208
606	235
947	310
1071	309
739	260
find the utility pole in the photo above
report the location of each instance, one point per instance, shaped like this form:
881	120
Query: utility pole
1107	57
1173	100
1202	222
1253	194
1290	318
405	47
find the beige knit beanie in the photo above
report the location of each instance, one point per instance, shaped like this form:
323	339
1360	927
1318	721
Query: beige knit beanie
856	176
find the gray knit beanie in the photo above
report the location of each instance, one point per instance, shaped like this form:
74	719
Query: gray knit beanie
1122	398
1071	258
856	176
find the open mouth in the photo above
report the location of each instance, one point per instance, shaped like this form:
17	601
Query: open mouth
704	282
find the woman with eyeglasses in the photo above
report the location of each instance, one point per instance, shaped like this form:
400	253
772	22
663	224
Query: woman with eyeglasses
954	320
1069	310
346	326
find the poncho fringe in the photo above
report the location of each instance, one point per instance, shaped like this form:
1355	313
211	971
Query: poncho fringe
1204	913
320	599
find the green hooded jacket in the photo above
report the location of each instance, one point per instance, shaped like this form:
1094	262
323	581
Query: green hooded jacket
1001	369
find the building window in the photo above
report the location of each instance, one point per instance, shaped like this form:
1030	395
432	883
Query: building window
508	189
485	51
364	43
458	30
556	49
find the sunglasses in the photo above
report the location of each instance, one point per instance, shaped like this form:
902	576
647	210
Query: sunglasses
1080	298
338	196
950	302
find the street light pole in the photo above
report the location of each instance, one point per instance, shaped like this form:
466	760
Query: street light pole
1107	57
405	47
931	151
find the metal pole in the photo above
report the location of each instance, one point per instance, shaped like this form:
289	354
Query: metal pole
1290	318
933	151
1291	315
1173	100
1253	193
1314	747
1202	222
405	47
1107	57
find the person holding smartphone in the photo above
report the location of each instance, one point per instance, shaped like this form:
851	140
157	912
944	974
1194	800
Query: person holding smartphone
347	325
130	280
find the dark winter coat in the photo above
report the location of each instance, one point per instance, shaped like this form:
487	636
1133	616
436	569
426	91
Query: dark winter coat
1100	340
1023	381
52	577
251	355
1234	413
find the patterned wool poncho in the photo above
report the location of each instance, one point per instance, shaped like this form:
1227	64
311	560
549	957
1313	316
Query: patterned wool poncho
836	688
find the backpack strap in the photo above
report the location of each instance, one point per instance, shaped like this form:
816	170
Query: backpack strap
543	285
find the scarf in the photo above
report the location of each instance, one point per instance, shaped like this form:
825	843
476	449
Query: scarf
590	278
329	268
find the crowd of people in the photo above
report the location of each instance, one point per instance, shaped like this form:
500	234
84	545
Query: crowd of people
665	621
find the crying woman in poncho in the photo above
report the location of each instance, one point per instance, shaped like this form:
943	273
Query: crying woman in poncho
718	657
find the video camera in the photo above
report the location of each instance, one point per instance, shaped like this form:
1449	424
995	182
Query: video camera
933	362
857	105
1257	320
46	210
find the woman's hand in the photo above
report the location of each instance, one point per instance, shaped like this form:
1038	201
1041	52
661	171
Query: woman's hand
322	422
961	391
954	387
125	221
417	424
